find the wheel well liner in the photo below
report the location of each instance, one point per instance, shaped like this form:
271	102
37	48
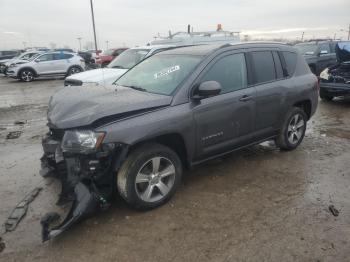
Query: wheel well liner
173	140
306	106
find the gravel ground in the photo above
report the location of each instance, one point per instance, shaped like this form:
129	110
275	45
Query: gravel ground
258	204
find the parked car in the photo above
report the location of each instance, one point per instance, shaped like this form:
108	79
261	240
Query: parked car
176	109
318	54
47	65
21	58
68	50
121	64
107	56
9	54
335	80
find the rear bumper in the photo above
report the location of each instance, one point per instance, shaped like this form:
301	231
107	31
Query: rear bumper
88	182
335	89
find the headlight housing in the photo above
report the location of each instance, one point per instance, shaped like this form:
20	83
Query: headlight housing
325	74
81	141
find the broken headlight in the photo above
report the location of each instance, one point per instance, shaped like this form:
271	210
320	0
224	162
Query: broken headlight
325	74
81	141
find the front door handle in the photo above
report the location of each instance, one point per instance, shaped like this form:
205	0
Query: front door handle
245	98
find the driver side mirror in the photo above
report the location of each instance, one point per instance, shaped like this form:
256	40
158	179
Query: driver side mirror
207	89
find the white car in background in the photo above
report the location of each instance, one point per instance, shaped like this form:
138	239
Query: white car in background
50	64
20	59
121	64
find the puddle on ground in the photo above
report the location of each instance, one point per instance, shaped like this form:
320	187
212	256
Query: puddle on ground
337	132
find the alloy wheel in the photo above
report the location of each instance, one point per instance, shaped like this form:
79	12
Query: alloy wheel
155	179
27	76
295	129
74	70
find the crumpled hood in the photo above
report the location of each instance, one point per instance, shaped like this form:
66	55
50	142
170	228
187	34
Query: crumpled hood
101	76
342	49
15	61
83	105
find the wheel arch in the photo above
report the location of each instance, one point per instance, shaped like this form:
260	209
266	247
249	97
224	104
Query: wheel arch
305	105
313	68
174	141
24	68
69	68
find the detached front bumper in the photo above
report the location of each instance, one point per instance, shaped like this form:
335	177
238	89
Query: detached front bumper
11	73
334	89
88	182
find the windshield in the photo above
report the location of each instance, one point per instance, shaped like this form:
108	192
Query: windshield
26	56
159	74
307	49
128	58
34	56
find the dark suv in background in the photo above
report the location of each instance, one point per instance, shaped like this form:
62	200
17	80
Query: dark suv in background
318	54
175	109
9	54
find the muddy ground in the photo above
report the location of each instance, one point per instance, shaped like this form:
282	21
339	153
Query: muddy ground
259	204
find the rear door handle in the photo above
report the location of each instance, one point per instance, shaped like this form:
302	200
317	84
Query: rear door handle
245	98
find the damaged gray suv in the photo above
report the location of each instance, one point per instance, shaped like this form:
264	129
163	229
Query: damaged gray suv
174	110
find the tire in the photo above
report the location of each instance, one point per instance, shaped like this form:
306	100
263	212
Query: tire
74	70
293	129
27	75
141	184
326	97
105	64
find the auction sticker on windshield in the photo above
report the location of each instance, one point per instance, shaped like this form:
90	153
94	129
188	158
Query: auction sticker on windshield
166	71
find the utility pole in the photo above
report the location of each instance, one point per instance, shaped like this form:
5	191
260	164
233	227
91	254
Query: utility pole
344	30
107	44
93	24
79	39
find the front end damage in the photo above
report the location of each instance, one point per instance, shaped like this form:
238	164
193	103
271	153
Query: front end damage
87	178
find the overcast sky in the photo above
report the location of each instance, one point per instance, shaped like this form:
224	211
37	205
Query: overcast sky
128	22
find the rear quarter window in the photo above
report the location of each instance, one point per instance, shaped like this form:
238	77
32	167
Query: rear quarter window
291	60
264	66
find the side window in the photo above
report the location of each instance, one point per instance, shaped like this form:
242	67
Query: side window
278	65
325	47
9	52
230	71
45	57
264	67
291	61
332	44
60	56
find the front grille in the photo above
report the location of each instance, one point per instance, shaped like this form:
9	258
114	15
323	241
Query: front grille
57	134
72	82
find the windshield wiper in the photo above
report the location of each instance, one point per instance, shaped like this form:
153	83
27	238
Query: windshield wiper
137	88
117	66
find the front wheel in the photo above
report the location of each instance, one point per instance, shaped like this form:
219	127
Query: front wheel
149	176
26	75
293	130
